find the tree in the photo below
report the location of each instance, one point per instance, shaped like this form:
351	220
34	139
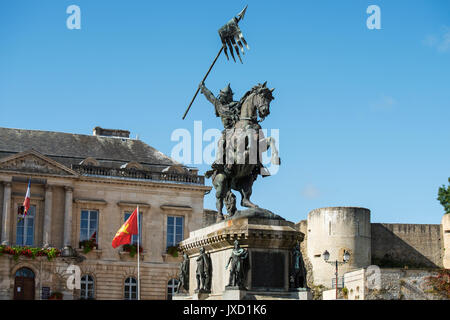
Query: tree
444	197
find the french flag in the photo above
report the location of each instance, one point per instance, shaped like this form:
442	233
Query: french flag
26	202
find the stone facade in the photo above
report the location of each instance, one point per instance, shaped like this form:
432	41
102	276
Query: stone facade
446	241
64	185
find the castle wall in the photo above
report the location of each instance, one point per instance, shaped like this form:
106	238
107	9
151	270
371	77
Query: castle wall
446	240
412	245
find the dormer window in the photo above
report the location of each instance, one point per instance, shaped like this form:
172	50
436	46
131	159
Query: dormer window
89	162
132	165
174	169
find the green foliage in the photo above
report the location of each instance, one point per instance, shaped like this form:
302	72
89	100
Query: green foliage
88	245
132	249
345	292
444	197
173	251
317	291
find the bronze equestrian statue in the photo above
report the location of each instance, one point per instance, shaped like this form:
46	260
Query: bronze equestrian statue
238	160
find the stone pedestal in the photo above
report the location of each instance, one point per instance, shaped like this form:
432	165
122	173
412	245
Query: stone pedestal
200	296
302	294
269	243
234	294
180	296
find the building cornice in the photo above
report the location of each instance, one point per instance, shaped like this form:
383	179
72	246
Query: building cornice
133	204
90	201
171	207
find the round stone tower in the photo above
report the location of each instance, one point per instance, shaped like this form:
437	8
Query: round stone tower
336	229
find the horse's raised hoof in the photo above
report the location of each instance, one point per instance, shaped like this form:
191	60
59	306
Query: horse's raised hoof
276	161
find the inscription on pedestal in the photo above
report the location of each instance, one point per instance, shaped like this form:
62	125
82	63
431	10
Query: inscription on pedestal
268	269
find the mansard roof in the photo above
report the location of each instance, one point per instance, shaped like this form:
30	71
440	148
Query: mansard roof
70	149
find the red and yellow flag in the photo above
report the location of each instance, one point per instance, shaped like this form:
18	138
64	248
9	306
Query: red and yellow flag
126	231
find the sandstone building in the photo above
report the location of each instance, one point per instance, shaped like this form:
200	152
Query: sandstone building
83	187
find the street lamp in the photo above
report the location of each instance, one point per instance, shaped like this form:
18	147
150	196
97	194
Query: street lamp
346	258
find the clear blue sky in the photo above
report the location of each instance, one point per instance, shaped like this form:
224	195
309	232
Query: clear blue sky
363	114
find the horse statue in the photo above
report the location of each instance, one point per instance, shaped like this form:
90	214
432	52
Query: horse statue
243	142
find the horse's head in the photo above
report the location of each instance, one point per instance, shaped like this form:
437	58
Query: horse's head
262	98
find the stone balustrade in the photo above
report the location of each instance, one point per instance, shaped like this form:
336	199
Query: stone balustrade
138	174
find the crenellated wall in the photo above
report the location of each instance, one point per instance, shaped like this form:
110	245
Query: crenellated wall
411	245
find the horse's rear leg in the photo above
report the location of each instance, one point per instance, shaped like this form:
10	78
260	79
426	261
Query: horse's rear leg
221	186
246	191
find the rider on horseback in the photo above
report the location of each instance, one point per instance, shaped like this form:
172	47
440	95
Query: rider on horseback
228	110
225	107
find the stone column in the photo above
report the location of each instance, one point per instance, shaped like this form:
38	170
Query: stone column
68	217
47	216
6	218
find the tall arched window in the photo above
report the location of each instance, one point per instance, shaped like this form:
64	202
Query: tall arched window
171	288
130	289
87	287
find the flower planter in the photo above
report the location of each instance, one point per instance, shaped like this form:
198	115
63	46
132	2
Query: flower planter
56	296
29	252
132	249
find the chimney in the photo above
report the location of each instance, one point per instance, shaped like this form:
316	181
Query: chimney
117	133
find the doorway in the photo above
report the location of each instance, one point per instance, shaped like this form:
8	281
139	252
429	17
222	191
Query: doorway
24	284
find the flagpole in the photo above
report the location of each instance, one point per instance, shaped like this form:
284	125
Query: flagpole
204	78
138	281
